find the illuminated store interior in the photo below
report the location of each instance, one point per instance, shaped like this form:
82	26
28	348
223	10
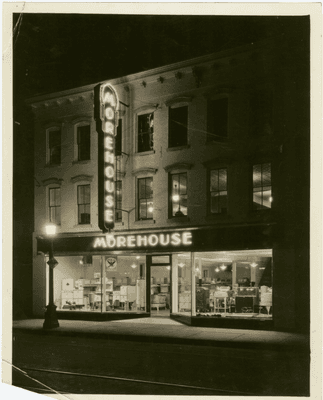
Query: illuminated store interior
231	284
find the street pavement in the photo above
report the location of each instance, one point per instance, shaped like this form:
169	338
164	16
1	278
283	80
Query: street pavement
158	357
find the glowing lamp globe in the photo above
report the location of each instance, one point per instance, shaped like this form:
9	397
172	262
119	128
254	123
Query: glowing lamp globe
50	229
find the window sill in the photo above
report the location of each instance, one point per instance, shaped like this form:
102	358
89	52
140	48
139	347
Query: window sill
83	226
81	162
175	148
145	153
145	222
178	219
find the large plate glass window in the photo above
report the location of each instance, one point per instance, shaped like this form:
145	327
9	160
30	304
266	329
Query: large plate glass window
84	204
100	283
234	284
145	198
262	196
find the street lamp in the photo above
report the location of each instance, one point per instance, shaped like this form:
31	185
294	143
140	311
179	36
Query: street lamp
50	314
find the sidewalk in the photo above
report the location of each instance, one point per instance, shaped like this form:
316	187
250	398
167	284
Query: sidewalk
169	331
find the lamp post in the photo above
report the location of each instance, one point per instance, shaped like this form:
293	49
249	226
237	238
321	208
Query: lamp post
50	314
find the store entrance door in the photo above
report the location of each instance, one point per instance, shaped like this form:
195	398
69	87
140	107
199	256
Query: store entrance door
160	285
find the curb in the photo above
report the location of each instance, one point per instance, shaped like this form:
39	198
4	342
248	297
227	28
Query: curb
297	347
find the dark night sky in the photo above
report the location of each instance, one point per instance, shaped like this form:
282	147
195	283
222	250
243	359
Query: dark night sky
54	52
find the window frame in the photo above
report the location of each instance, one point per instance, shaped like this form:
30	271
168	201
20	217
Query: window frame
83	204
81	125
171	194
266	209
49	205
219	191
140	112
139	218
174	107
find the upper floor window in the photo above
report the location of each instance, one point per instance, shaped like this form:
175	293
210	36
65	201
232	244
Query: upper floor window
178	193
83	143
178	121
54	146
55	205
84	204
118	139
118	212
261	112
262	196
218	191
145	198
145	132
217	119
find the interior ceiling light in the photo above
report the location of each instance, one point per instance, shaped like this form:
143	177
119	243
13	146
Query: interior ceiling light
181	265
217	269
253	264
168	267
137	257
133	266
223	267
176	197
150	209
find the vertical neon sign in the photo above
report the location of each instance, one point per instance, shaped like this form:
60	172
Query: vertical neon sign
109	117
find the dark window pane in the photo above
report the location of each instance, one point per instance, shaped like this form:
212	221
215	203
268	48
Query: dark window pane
178	120
217	119
218	191
54	144
262	197
84	142
84	205
145	132
266	174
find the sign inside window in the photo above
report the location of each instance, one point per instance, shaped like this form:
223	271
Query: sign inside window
172	239
109	117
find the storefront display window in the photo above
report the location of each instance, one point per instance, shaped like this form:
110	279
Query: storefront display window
234	284
182	284
100	283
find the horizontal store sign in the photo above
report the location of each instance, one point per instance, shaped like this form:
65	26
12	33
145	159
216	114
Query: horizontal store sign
216	239
143	240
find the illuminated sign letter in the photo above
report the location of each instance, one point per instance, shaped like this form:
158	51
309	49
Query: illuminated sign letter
111	241
131	241
176	239
141	239
121	241
109	116
187	238
99	242
153	240
162	241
